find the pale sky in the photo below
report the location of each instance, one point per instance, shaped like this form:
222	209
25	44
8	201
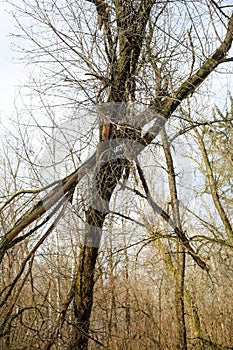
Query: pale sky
11	73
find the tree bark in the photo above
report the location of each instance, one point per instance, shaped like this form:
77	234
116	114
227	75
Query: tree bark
107	178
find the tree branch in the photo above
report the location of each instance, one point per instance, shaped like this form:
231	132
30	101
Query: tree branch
180	234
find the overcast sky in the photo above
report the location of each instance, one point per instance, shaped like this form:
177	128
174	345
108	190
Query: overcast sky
11	73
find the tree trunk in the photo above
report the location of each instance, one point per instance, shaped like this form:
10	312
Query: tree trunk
180	261
107	178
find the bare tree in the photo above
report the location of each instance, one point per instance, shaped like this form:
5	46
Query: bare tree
113	54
